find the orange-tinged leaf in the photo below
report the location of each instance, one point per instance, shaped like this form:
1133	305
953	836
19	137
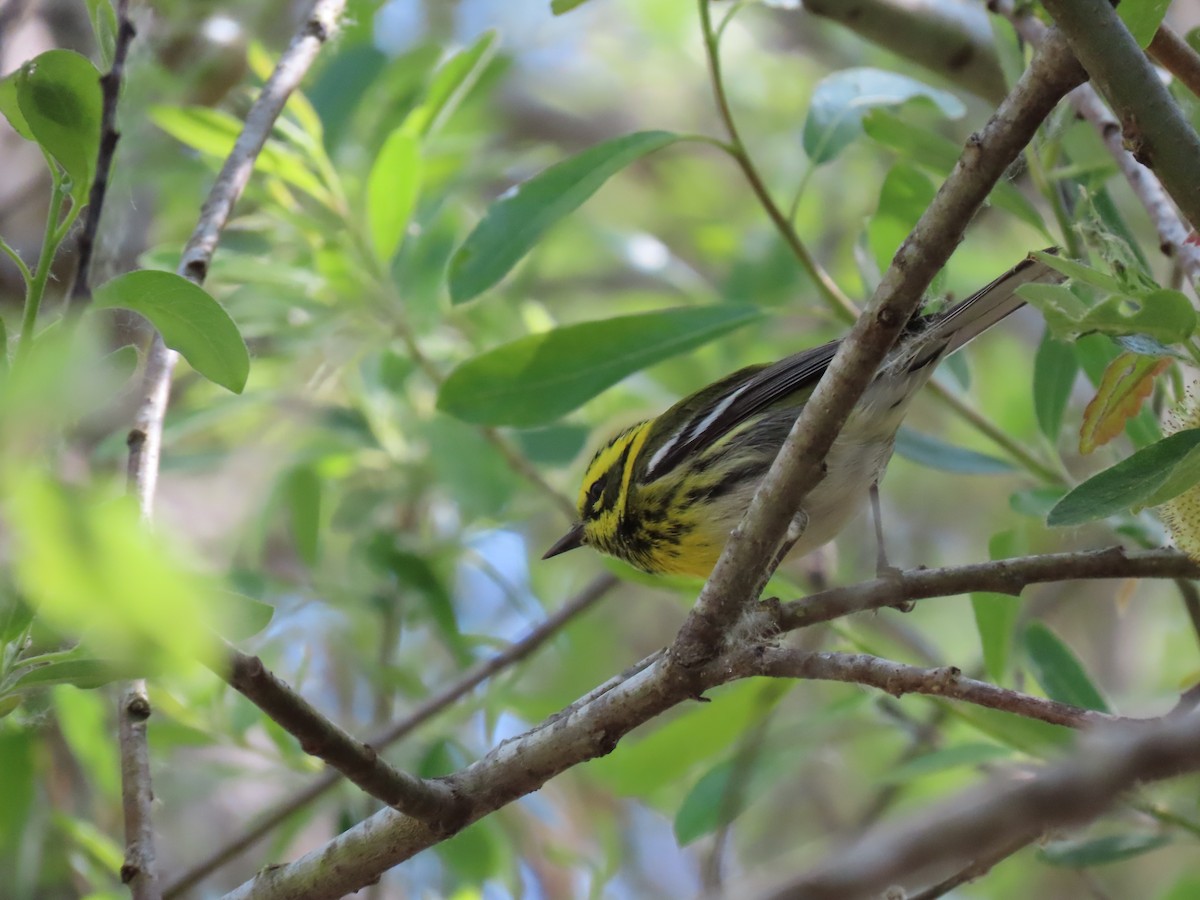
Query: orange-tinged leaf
1126	384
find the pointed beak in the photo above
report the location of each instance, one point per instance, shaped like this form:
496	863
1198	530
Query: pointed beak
569	541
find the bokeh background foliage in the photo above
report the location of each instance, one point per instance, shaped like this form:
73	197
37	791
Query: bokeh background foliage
400	365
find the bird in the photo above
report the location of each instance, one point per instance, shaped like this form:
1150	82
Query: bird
663	495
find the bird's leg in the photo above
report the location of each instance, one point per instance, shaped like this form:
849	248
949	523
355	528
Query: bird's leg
883	569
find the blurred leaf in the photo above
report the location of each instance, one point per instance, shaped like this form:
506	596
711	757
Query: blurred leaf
20	785
560	7
103	850
937	454
1128	484
1187	887
104	28
476	853
839	101
537	378
89	566
301	491
1036	502
514	223
85	718
1142	18
938	154
996	614
941	760
724	792
213	133
1127	382
1098	851
1058	670
1032	736
82	673
59	95
1055	369
903	199
450	85
189	320
392	190
238	616
415	573
8	705
554	445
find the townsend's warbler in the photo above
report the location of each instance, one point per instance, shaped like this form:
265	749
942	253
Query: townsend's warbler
664	494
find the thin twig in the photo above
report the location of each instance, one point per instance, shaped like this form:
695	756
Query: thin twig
139	869
110	88
425	799
426	710
1173	53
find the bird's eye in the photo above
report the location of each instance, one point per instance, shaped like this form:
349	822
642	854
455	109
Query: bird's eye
592	500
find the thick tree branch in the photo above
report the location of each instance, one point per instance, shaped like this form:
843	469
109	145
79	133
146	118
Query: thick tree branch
1001	576
1172	230
593	725
1154	128
981	823
426	710
951	39
745	563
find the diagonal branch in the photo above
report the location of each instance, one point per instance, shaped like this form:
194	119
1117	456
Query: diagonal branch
745	563
981	823
1153	126
426	710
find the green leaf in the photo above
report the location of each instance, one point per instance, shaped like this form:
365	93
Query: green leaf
189	320
938	154
59	95
1142	18
1058	670
11	107
301	490
1098	851
19	748
723	793
941	760
238	616
1032	736
1164	315
555	445
82	673
903	199
450	85
82	715
104	28
1129	483
1055	369
540	377
937	454
514	223
392	190
839	101
1077	271
213	132
561	7
996	614
415	573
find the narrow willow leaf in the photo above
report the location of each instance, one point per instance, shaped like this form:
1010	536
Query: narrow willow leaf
839	101
561	7
942	760
392	190
450	85
104	28
301	489
538	378
1098	851
996	614
189	320
514	223
939	155
1127	382
903	199
60	99
1059	672
723	793
1164	315
1055	369
1129	483
1184	475
937	454
1077	271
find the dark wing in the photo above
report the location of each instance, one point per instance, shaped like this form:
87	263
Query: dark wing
696	422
